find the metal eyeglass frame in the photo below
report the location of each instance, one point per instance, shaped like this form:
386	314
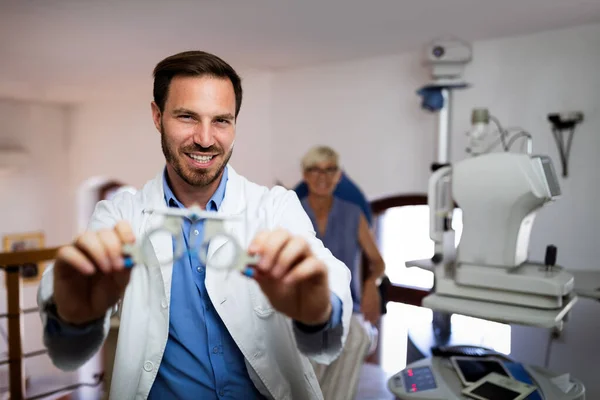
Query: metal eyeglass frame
213	228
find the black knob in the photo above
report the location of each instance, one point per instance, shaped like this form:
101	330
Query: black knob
550	255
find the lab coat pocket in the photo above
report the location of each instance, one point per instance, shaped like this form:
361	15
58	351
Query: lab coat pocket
260	303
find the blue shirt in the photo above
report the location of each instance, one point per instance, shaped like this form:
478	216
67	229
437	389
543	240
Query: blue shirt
347	190
201	360
341	238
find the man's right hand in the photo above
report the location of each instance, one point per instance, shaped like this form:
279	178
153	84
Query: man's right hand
90	276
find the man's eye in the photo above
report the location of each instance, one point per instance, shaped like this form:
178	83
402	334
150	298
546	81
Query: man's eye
222	121
185	116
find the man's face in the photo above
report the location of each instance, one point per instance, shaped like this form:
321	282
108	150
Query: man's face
197	128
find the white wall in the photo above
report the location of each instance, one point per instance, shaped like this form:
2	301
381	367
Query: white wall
32	198
368	110
35	198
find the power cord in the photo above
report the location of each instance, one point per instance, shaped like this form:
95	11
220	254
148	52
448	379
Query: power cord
553	335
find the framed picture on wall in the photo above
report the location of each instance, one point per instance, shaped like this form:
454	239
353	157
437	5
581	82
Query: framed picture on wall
31	272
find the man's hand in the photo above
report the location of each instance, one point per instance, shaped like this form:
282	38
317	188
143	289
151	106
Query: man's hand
89	275
292	278
371	302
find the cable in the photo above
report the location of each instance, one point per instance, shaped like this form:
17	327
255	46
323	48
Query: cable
517	136
501	130
549	349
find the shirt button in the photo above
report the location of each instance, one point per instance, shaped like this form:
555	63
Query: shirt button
196	232
164	303
148	366
221	392
199	269
215	349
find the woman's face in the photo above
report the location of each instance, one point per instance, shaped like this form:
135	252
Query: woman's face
322	178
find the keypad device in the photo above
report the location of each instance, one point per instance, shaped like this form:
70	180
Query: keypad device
418	379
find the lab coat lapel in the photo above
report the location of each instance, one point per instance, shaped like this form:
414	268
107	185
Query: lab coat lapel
233	204
162	244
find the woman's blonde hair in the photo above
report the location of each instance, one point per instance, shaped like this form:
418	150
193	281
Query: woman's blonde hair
319	154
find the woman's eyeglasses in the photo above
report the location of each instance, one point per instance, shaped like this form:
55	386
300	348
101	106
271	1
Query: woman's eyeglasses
329	172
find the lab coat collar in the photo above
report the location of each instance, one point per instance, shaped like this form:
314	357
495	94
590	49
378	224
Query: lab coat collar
232	203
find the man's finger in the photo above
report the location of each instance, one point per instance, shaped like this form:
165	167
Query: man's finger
257	243
272	245
71	256
124	231
295	251
112	245
308	269
89	243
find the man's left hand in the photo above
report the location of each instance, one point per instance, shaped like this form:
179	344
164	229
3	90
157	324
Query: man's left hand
292	278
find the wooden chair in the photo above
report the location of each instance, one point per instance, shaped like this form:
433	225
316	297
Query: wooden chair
391	292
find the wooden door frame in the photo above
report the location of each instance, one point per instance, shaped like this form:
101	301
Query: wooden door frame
395	292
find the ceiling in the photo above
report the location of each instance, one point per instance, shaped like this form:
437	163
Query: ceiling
59	49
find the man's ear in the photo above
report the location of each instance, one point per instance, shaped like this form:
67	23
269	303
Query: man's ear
156	115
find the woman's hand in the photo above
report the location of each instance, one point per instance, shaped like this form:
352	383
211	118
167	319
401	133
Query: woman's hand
371	302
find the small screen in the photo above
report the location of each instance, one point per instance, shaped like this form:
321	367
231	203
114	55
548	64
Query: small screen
418	379
474	370
491	391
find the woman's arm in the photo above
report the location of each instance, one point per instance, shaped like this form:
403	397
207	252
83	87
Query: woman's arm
369	247
371	300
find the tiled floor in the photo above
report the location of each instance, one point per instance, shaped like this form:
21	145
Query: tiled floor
373	384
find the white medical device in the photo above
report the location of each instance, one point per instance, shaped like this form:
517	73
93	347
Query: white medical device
491	276
436	378
447	58
494	386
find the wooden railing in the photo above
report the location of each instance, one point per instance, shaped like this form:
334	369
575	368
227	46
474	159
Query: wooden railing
10	263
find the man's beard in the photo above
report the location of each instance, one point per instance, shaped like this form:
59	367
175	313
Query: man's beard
194	177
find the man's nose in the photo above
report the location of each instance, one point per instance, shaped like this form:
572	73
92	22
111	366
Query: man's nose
203	135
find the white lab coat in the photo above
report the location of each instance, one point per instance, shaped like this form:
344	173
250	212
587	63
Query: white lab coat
276	353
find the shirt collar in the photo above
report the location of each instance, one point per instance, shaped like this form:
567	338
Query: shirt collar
213	204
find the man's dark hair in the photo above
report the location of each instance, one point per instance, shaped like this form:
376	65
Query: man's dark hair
193	63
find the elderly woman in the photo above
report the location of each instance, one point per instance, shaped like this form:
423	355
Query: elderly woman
343	229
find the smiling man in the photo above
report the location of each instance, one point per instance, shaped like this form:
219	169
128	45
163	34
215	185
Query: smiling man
187	330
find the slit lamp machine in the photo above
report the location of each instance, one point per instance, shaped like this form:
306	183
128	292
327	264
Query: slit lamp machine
488	275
